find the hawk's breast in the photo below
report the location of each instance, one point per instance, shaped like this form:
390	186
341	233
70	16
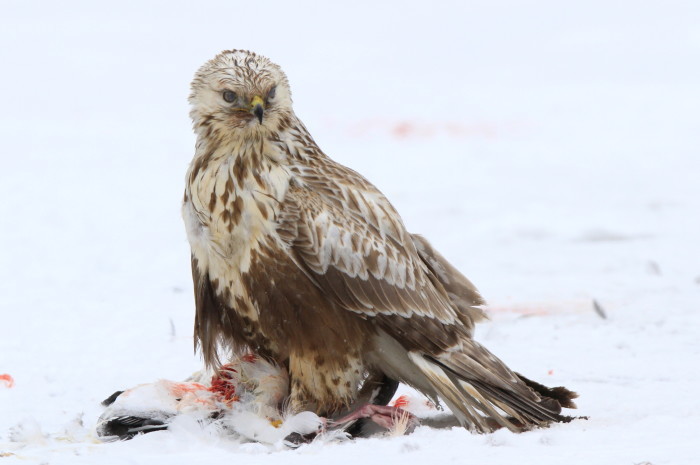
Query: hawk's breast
231	204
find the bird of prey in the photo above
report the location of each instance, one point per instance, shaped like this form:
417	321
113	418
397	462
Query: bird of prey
303	261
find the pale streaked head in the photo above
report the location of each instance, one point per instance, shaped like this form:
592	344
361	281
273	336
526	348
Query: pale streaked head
241	92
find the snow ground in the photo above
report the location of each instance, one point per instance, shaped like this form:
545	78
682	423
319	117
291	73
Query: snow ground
550	150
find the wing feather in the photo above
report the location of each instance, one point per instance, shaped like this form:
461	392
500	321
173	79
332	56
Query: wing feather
356	247
461	291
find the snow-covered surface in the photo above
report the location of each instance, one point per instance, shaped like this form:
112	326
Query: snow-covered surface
551	150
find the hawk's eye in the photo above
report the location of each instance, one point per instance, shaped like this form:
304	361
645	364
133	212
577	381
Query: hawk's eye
271	93
230	96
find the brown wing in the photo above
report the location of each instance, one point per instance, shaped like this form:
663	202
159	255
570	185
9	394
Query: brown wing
208	322
462	293
346	235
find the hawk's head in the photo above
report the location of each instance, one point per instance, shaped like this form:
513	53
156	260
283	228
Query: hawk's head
239	91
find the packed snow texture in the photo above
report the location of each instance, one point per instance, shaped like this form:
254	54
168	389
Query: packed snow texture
550	150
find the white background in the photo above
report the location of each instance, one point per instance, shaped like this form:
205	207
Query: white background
551	150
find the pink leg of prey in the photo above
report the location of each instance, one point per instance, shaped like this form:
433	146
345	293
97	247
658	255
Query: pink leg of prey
385	416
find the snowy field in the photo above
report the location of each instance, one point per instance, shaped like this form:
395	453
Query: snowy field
551	151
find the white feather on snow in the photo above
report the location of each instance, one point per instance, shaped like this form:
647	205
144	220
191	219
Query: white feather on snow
243	406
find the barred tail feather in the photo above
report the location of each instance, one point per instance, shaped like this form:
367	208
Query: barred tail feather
485	395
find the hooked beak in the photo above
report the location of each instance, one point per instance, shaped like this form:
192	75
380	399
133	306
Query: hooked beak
257	107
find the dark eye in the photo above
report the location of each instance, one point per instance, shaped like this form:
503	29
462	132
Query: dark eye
271	93
230	96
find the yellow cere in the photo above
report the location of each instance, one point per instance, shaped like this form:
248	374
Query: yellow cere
257	100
